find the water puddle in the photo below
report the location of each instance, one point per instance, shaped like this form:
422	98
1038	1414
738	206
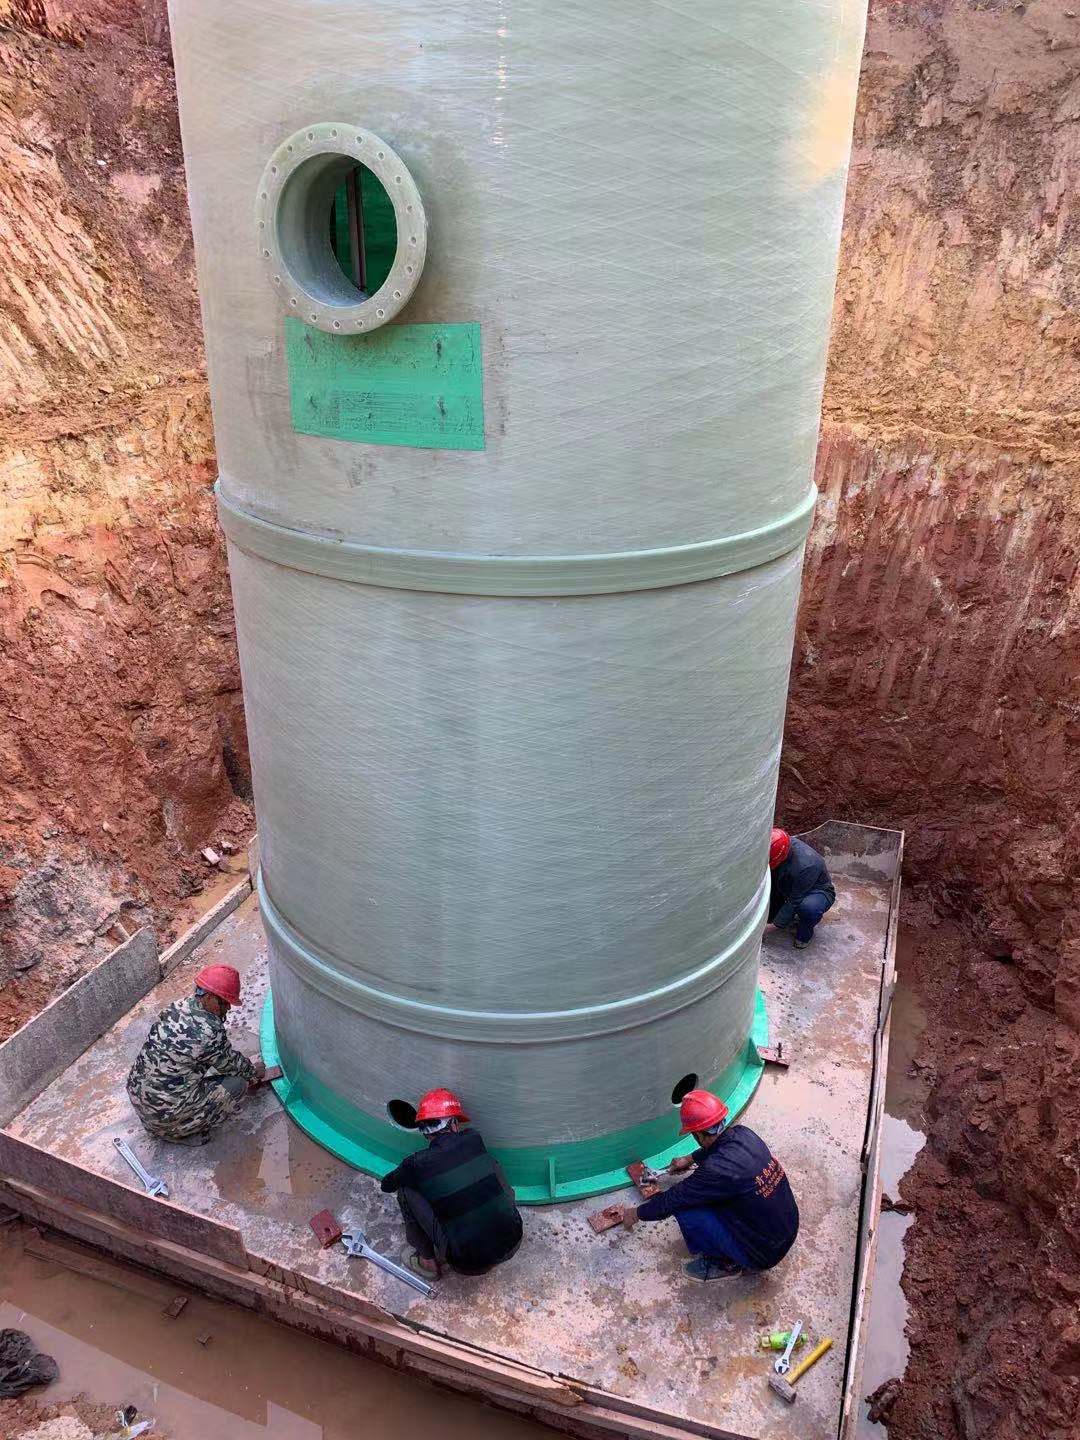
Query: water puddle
251	1380
887	1349
216	886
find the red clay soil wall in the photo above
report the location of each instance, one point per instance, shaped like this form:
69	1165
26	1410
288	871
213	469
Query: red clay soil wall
122	747
935	684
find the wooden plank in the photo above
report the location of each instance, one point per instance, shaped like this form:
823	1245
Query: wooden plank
630	1418
558	1401
55	1038
191	939
28	1163
85	1261
870	1210
281	1300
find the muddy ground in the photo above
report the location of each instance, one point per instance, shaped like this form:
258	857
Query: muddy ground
935	683
935	678
76	1419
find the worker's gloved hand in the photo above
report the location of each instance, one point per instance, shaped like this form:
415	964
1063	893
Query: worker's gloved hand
260	1073
630	1216
681	1163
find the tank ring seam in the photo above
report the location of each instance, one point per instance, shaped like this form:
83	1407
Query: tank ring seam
523	576
512	1027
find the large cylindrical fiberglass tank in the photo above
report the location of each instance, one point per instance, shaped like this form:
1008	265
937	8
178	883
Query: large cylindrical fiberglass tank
516	317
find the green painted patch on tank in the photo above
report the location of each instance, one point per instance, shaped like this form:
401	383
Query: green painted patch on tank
415	385
539	1174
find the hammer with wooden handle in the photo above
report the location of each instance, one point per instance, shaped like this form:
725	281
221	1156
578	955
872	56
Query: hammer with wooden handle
784	1385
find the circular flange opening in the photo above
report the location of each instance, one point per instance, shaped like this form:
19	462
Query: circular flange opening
402	1113
683	1087
314	242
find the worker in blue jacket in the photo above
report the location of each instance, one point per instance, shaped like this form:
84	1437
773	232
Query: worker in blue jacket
801	889
736	1210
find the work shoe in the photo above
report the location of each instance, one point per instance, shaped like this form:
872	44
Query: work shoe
801	944
193	1141
421	1265
707	1267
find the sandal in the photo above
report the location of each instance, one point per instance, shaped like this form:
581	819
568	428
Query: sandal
420	1265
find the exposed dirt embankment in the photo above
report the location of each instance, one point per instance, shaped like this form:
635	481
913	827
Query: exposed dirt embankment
122	747
935	681
935	684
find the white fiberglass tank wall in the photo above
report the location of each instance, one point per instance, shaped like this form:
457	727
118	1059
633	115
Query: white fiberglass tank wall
516	317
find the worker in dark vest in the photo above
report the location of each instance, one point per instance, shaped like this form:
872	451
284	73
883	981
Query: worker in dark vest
735	1210
458	1207
801	889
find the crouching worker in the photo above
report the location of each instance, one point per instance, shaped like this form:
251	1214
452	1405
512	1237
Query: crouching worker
801	888
458	1208
736	1210
187	1079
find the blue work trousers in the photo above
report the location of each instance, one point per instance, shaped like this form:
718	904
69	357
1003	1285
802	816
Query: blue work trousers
809	911
705	1233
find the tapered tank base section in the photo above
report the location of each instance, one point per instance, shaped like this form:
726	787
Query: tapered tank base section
539	1174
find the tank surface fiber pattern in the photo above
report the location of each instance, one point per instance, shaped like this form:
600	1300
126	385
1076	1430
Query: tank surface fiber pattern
515	713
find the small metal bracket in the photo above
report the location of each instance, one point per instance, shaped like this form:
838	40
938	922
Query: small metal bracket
774	1055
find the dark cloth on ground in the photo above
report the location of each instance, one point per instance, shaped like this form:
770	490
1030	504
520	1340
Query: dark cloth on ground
22	1366
738	1177
467	1193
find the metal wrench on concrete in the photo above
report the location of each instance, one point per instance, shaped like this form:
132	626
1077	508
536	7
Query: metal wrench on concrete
355	1243
783	1362
154	1184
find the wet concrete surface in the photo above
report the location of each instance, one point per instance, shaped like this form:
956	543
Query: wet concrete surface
886	1346
252	1379
614	1311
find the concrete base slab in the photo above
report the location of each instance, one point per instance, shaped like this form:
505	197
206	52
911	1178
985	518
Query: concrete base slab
46	1045
603	1333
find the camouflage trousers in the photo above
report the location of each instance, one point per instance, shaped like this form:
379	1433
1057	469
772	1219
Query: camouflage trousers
219	1098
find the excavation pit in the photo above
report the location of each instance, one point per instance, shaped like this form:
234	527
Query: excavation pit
592	1334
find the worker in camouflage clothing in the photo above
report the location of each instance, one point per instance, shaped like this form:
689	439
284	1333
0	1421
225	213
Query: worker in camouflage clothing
187	1079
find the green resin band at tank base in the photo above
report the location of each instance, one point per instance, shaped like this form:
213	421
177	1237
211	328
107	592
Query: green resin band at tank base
539	1174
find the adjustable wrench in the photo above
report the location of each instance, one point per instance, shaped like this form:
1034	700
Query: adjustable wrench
355	1243
783	1362
153	1183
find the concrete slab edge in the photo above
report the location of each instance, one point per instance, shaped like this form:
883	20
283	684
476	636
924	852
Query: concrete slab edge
55	1038
186	944
24	1164
870	1205
557	1401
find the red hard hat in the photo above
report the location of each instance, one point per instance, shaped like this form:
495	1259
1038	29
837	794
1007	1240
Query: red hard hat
779	847
439	1105
222	981
701	1110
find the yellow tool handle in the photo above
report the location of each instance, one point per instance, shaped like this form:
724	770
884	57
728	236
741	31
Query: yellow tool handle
808	1360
